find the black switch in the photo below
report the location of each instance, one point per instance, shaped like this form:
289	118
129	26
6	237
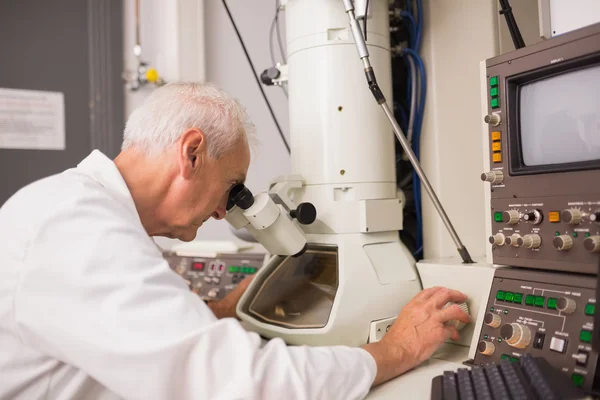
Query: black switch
538	340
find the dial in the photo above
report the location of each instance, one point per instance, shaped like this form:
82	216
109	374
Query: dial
456	323
493	177
516	335
511	217
563	242
493	320
515	238
493	119
532	241
498	239
572	216
535	217
592	244
486	347
566	305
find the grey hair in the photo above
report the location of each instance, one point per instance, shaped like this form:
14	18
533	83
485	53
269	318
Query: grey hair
175	108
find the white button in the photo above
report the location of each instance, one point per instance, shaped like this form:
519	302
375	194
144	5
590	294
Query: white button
216	280
581	358
557	344
207	279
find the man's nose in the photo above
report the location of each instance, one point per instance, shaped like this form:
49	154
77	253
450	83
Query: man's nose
219	213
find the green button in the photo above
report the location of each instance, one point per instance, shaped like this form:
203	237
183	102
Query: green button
514	359
552	303
486	336
509	296
499	340
495	102
539	301
500	295
557	233
505	311
585	336
587	234
252	270
529	299
494	92
498	216
504	357
518	298
494	81
577	380
492	309
590	309
575	234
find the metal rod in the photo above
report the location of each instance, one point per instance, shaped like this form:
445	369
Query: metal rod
361	46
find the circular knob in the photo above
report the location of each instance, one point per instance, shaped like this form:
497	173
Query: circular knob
492	320
516	335
493	119
493	177
456	323
511	217
306	213
566	305
498	239
592	244
486	347
595	217
563	242
572	216
532	241
515	240
535	217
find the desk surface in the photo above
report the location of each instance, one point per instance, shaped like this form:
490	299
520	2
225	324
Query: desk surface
416	384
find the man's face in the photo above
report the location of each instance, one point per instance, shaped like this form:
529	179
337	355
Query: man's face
201	189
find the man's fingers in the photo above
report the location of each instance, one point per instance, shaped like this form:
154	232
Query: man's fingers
454	312
427	293
451	333
444	296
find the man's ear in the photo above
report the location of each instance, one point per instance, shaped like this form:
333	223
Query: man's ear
192	152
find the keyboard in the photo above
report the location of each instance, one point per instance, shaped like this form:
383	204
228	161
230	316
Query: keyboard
530	378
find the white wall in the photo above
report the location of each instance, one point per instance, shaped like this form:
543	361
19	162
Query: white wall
168	47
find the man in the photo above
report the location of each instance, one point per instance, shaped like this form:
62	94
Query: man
90	309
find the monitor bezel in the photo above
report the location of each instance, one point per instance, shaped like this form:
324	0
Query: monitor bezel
513	85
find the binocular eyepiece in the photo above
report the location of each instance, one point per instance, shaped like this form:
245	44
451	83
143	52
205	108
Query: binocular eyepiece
240	196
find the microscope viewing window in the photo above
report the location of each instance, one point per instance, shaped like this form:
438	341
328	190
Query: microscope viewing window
554	118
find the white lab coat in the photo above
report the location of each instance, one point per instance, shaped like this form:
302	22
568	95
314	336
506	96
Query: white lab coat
89	309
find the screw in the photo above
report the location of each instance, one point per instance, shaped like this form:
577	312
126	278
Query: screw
342	172
340	108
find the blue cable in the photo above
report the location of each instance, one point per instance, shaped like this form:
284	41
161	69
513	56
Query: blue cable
413	28
419	24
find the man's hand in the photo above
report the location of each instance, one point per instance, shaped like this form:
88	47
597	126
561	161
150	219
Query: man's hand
418	332
225	308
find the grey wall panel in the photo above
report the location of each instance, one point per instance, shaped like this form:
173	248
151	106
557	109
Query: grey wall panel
45	46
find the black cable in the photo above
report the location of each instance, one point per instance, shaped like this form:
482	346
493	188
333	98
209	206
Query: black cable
513	28
287	146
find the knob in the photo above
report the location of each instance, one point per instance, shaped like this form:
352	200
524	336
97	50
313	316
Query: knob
566	305
571	216
592	244
306	213
535	217
493	177
511	217
492	320
595	217
493	119
486	347
516	335
498	239
563	242
532	241
456	323
514	240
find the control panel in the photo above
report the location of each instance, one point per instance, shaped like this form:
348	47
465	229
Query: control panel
213	277
561	233
544	208
545	314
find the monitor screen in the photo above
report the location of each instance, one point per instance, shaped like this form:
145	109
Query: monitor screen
560	118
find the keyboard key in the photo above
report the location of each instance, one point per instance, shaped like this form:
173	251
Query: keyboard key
465	387
482	390
497	385
450	387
